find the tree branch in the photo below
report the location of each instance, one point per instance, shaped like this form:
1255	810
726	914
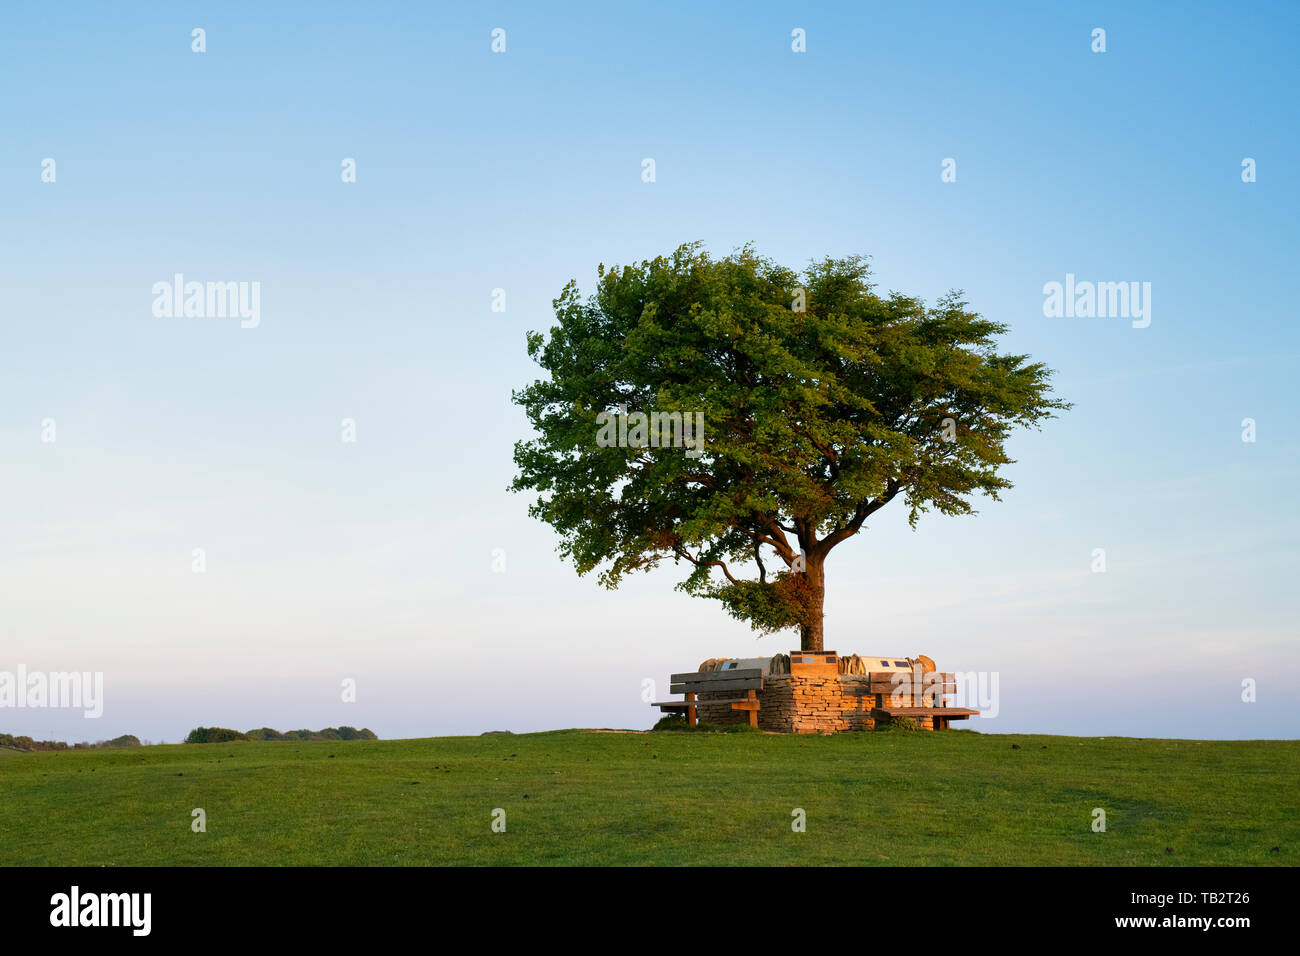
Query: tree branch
701	563
860	514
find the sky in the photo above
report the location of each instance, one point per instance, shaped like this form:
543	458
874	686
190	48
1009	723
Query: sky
400	561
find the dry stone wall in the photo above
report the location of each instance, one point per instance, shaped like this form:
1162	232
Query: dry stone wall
807	704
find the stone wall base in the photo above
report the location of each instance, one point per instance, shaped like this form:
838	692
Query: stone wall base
796	704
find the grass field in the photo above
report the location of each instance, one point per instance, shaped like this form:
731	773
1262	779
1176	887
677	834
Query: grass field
582	797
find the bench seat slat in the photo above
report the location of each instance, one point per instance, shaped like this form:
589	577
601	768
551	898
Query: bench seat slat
683	704
716	687
743	673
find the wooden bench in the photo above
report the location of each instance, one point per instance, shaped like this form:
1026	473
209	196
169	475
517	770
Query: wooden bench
741	685
941	714
929	703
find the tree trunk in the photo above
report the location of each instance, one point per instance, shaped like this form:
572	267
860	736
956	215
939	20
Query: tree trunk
810	632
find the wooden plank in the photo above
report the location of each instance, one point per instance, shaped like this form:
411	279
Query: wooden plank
953	712
727	676
745	673
716	686
683	704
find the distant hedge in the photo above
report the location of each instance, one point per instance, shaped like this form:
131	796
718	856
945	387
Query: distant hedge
205	735
213	735
199	735
27	744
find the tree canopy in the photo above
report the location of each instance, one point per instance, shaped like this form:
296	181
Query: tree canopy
820	401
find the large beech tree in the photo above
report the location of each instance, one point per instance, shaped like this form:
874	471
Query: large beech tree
822	402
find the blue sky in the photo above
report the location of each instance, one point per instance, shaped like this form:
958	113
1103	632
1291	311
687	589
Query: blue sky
372	560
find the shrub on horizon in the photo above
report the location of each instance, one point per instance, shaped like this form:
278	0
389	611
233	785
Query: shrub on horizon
213	735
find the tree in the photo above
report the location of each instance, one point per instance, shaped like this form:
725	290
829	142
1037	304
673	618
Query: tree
821	402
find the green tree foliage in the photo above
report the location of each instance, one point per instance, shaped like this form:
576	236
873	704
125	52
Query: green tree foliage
10	742
264	733
27	744
822	402
213	735
328	733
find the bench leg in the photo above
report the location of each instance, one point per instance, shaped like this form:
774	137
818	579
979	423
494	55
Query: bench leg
753	714
690	711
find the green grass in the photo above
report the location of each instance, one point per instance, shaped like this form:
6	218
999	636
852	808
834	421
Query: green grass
579	797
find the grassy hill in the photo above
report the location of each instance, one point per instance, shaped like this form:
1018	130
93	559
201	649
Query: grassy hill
582	797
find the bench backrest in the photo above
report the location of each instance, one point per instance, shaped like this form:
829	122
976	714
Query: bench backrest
710	682
920	688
